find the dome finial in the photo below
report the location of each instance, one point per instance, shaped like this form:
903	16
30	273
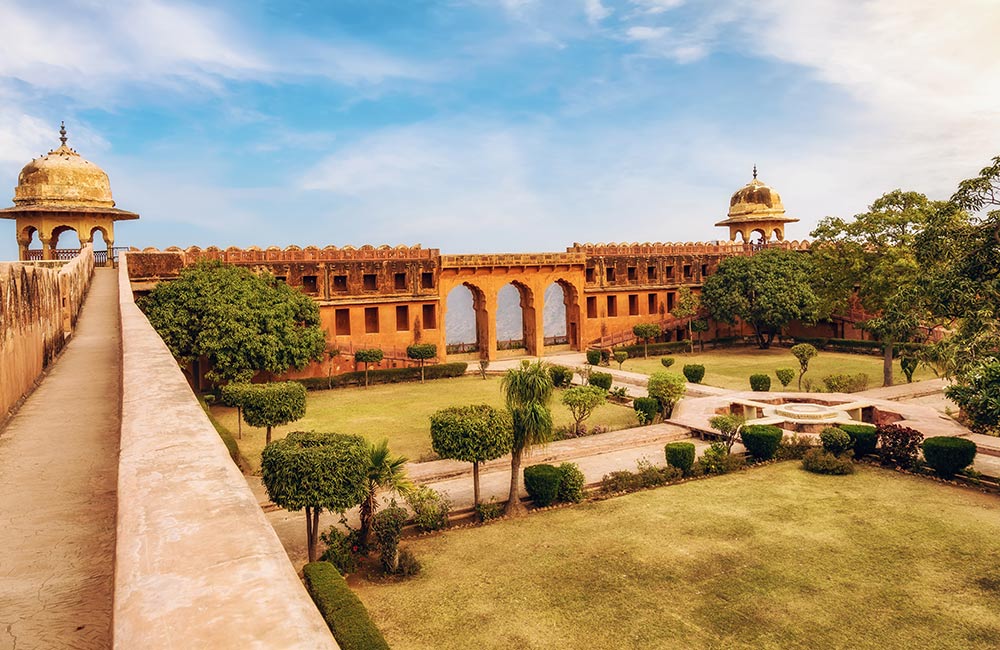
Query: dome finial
755	171
62	132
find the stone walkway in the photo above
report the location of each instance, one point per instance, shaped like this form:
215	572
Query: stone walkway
58	469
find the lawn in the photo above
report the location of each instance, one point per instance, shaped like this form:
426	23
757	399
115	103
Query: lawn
771	558
401	413
732	367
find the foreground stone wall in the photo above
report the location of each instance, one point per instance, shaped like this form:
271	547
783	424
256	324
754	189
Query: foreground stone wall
39	305
196	565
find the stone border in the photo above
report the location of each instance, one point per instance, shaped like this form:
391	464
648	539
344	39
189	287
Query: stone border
197	565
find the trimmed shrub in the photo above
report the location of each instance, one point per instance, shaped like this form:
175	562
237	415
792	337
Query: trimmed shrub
717	460
561	376
760	382
621	356
667	389
835	440
694	372
571	482
542	484
490	510
646	475
430	508
761	440
948	455
666	362
594	357
271	405
898	445
794	447
656	349
387	525
601	380
820	461
619	481
343	611
385	376
785	376
421	352
864	438
646	409
680	455
843	383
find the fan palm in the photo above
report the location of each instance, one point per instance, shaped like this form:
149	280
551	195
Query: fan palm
527	391
385	473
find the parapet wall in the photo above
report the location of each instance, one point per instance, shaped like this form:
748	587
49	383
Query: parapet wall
672	248
197	565
39	305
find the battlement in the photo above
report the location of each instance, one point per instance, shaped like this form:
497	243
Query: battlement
678	248
252	254
570	258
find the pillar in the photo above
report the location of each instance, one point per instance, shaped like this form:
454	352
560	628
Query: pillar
22	248
486	324
48	243
533	319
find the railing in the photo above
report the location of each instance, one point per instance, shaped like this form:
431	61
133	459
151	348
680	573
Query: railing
628	335
557	340
461	348
66	254
511	344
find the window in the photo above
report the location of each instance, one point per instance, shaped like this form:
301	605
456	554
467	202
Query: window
589	273
370	282
612	305
704	270
633	304
651	272
402	318
687	271
309	284
610	273
400	281
427	280
430	317
371	320
670	272
340	283
591	307
671	296
282	279
342	322
632	274
652	304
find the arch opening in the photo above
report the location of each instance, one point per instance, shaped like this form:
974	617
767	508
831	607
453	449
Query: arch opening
561	315
515	318
466	320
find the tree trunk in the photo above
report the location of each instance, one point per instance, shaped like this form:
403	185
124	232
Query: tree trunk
645	348
475	483
312	523
268	441
239	422
366	375
887	362
690	337
421	371
514	498
366	513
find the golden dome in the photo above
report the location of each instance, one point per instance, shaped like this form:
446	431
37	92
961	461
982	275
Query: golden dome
63	179
755	198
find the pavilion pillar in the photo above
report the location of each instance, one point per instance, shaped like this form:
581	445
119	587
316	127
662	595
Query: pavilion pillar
48	247
486	327
533	316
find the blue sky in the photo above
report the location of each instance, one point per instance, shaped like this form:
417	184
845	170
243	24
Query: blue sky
495	125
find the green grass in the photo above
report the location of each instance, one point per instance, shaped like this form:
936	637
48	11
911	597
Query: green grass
401	413
731	368
771	558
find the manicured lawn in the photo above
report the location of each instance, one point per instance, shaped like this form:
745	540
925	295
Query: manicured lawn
732	367
771	558
401	413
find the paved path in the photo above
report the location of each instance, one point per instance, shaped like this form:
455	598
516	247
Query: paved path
58	469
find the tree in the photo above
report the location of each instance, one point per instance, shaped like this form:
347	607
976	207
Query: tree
232	395
621	356
271	405
871	263
421	352
688	306
241	322
729	427
978	395
315	471
332	352
647	332
368	356
767	290
383	471
803	352
474	434
527	391
667	389
581	402
700	325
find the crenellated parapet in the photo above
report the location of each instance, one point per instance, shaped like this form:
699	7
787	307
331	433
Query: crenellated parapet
679	248
253	254
507	260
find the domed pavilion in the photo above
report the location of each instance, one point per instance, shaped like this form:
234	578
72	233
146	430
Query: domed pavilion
756	209
62	191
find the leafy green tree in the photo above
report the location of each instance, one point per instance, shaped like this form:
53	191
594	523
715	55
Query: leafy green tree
688	305
621	356
582	401
978	394
527	391
667	389
700	326
647	332
729	427
767	290
803	352
232	396
315	471
241	322
271	405
871	262
384	472
474	434
369	356
422	352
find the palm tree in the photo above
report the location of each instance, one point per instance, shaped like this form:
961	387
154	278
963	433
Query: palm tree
527	390
385	472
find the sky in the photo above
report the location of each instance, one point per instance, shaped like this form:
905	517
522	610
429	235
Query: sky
495	125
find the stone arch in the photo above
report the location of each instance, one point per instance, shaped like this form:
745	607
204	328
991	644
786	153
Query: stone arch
568	315
526	302
777	234
457	331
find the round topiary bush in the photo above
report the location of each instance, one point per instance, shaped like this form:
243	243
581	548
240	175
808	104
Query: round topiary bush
542	484
836	441
571	482
948	455
864	438
594	357
561	376
694	372
761	440
601	380
680	455
785	376
646	409
666	362
760	382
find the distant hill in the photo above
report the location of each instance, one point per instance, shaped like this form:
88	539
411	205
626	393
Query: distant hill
461	319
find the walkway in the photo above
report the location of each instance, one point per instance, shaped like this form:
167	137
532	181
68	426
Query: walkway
58	469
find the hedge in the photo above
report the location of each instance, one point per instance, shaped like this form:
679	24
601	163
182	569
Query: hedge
680	455
571	482
761	440
863	436
385	376
542	484
343	611
948	455
760	382
655	349
855	345
601	380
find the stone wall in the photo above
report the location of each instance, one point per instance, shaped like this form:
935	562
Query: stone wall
39	305
197	565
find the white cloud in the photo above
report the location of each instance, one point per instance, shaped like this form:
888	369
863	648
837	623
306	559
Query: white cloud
645	33
595	11
656	6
